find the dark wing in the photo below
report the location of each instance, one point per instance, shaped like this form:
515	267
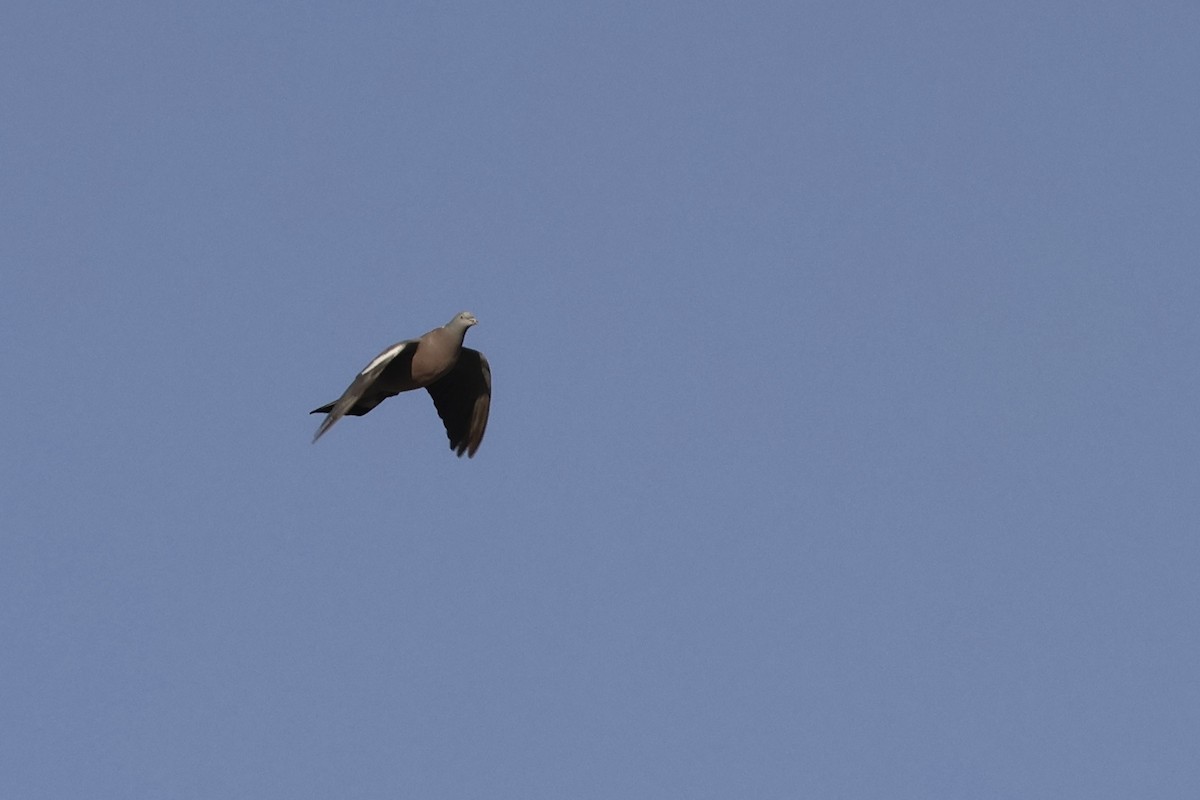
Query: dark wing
367	390
463	397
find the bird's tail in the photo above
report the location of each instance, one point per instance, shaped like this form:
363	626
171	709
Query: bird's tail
326	423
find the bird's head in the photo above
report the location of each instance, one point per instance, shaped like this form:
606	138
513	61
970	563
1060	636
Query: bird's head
464	318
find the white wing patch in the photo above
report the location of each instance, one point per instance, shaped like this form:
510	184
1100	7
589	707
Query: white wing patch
386	355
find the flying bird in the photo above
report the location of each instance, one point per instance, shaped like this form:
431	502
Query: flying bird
457	378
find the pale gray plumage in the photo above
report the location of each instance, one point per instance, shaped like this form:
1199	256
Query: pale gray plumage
457	378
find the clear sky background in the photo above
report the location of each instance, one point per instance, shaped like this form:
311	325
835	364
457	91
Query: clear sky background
844	440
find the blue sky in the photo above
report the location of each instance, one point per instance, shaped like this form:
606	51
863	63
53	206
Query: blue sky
844	434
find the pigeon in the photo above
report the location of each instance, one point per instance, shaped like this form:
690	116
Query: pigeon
457	378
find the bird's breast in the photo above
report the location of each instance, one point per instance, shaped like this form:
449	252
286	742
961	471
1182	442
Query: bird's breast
427	370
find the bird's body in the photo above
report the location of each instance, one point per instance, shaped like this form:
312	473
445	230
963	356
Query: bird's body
457	378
